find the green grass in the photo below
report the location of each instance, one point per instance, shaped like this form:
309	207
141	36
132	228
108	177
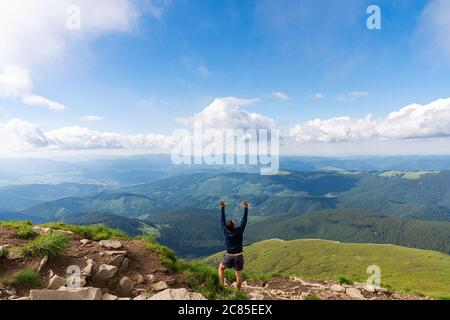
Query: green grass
344	280
50	244
200	276
25	278
311	298
91	232
24	228
422	271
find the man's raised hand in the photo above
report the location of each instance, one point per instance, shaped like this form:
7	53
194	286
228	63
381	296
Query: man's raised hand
222	204
244	204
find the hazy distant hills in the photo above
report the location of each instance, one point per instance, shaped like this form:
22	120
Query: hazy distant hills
347	199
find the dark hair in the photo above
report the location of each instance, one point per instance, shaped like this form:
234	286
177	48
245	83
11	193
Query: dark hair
231	224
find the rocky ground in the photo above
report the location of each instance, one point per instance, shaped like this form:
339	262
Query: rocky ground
109	270
297	289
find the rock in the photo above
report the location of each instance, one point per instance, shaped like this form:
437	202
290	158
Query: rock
42	264
337	288
143	296
88	293
139	278
68	232
177	294
108	296
170	281
84	241
4	249
354	293
14	297
116	260
56	282
160	286
125	286
23	298
105	272
11	292
111	244
50	274
124	265
113	253
256	296
150	278
40	230
87	271
13	255
125	298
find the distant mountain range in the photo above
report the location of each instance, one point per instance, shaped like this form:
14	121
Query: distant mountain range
348	200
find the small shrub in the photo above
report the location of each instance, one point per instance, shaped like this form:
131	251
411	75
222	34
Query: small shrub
312	298
345	280
444	298
26	278
48	244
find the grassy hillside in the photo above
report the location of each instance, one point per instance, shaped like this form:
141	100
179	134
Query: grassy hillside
403	269
355	225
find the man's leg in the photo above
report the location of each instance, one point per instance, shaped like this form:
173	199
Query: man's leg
222	274
238	280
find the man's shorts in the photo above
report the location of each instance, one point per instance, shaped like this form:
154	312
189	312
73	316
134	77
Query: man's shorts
235	262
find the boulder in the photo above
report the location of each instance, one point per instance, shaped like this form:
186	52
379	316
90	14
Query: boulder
116	260
105	272
177	294
143	296
56	282
84	241
112	253
88	293
124	265
40	230
108	296
354	293
125	286
160	286
111	244
337	288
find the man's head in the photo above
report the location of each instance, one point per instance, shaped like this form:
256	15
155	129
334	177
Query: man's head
231	224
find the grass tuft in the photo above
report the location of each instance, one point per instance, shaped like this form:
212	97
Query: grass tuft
50	244
92	232
24	228
25	278
344	280
312	298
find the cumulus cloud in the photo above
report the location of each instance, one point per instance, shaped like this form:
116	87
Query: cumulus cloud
280	95
227	113
18	135
92	118
411	122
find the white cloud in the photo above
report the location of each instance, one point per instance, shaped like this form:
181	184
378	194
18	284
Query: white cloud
34	100
280	95
18	135
411	122
318	96
14	82
227	113
92	118
352	95
35	33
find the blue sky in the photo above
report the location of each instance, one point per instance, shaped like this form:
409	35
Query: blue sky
173	61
